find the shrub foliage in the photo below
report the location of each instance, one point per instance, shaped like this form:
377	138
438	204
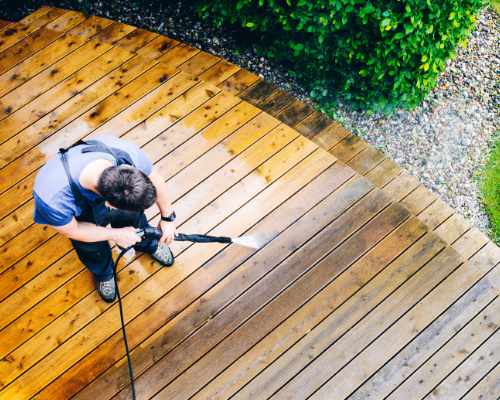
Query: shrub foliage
377	53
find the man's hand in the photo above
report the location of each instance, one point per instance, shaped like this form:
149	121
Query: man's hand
168	230
125	237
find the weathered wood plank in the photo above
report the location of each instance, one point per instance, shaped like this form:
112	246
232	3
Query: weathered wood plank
303	320
257	93
295	113
454	227
451	355
391	342
459	316
366	160
276	102
342	319
348	148
384	172
487	388
401	186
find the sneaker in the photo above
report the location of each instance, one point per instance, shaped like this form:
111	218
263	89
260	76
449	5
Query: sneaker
107	290
163	255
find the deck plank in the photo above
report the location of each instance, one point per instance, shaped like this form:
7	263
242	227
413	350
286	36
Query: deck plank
364	280
451	355
404	330
342	319
303	320
244	272
17	31
487	388
38	40
137	301
238	82
460	315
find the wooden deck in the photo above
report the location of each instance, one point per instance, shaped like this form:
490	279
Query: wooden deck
366	285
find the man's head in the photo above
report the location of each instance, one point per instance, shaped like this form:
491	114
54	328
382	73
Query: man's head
127	188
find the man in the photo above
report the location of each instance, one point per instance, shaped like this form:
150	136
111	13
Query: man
101	182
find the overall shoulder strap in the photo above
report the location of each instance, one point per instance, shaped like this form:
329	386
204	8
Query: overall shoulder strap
74	187
121	156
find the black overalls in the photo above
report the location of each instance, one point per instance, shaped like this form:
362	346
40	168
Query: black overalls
96	256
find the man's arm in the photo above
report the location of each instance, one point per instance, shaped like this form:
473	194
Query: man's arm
89	232
163	202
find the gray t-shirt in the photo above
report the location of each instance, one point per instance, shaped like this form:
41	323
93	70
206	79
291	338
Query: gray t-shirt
54	202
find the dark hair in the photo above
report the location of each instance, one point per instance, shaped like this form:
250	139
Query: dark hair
127	188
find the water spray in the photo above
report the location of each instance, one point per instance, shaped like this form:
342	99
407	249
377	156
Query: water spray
156	233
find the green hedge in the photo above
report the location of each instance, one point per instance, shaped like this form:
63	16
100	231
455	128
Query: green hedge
378	53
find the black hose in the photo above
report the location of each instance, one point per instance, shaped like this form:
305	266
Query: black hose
154	233
120	305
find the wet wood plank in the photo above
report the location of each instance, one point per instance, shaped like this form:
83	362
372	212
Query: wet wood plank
239	82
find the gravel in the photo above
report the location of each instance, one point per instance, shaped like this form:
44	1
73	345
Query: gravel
444	142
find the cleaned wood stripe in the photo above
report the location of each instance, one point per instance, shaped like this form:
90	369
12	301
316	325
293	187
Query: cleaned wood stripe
219	72
289	159
41	60
41	264
310	281
85	112
39	287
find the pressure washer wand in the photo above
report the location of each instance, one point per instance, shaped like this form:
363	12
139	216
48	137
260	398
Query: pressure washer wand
155	233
